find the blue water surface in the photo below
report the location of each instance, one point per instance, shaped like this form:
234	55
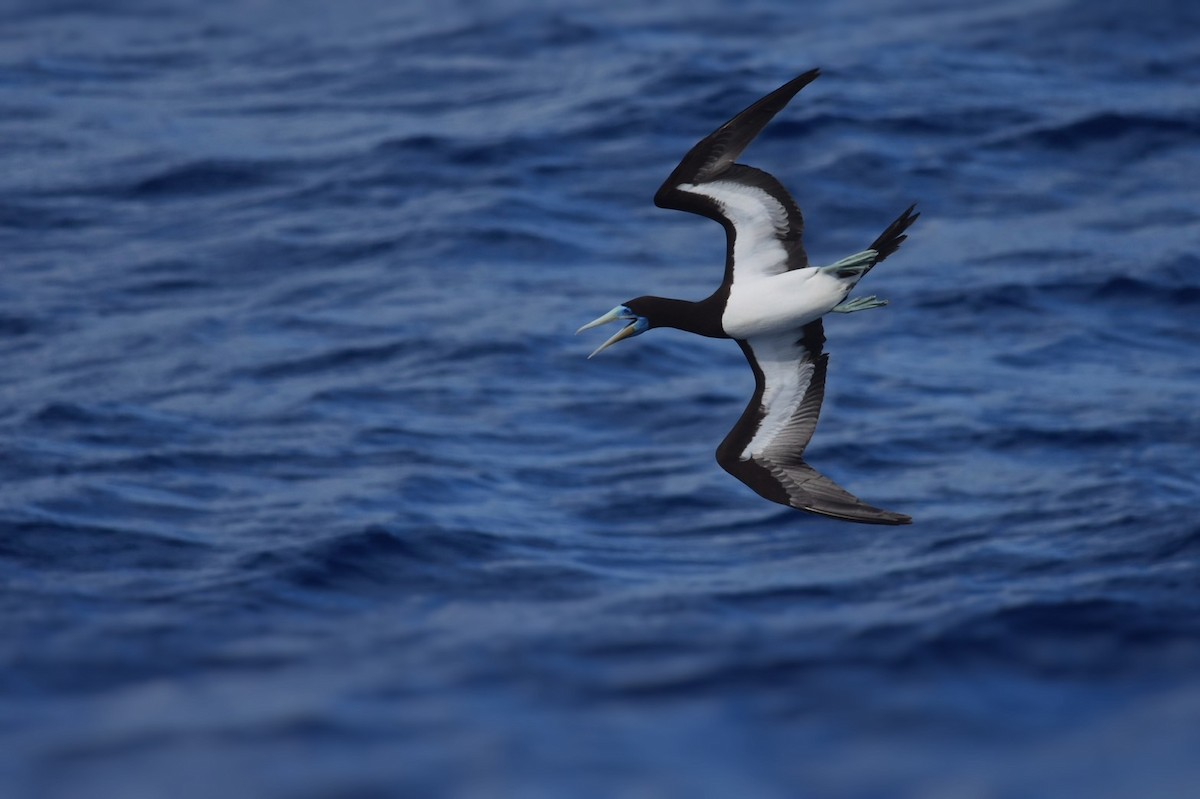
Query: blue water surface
308	490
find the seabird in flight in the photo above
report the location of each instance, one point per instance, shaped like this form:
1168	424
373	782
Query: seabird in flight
771	302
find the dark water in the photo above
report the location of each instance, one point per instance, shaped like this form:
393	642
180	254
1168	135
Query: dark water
308	490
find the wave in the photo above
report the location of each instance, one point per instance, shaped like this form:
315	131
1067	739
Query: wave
1138	134
49	545
420	560
200	178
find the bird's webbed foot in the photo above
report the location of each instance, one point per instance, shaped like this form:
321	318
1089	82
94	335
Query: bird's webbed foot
853	267
859	304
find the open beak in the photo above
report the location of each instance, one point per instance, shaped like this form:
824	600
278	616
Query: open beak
611	316
623	333
618	314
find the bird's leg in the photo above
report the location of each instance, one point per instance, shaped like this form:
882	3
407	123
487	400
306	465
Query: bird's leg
859	304
854	266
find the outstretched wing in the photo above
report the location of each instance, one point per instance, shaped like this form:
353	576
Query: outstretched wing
763	225
764	449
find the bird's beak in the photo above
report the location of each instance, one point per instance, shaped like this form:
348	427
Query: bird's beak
611	316
623	333
618	314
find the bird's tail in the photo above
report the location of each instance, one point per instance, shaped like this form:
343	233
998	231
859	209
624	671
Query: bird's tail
890	240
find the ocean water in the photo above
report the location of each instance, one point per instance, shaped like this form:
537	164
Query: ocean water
308	490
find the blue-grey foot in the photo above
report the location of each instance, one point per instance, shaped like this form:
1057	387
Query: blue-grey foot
859	304
855	265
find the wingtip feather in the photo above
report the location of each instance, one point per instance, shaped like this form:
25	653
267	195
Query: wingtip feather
867	515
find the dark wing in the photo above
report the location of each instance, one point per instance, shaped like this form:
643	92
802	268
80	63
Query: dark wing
763	225
764	448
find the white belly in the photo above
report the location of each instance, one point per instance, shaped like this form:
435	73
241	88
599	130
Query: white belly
781	302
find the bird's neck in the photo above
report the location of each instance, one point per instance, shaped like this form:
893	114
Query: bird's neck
702	318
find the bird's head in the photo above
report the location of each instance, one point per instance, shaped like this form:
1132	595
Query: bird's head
632	314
